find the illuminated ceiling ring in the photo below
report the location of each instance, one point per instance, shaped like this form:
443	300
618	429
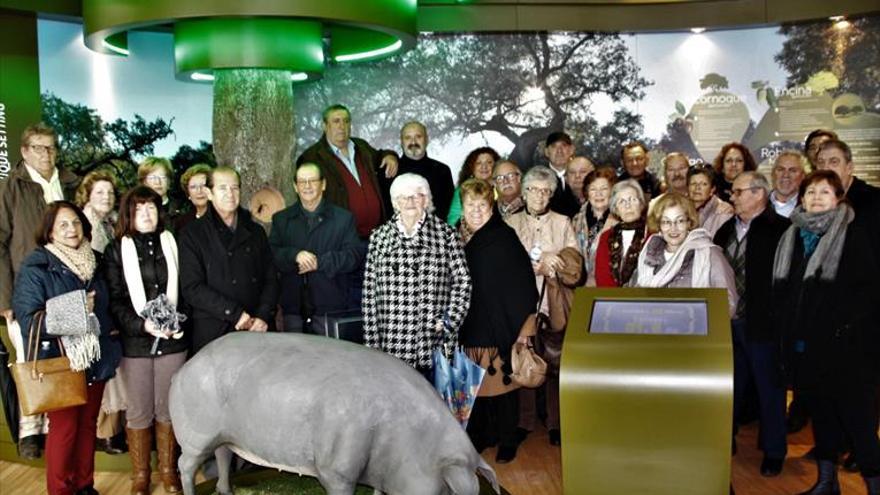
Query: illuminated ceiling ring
270	34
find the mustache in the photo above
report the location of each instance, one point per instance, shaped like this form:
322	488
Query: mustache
414	146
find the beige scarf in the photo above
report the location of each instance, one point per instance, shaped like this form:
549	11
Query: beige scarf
81	260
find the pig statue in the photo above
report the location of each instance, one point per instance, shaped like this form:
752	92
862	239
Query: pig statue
338	411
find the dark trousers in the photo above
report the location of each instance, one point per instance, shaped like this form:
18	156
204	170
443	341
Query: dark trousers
759	362
849	412
70	445
493	421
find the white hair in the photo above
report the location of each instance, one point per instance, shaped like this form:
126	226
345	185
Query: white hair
406	184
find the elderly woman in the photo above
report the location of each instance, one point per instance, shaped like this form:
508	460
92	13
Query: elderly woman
478	164
502	308
194	183
417	288
96	195
64	264
712	210
732	160
141	265
826	276
681	254
619	247
545	234
157	174
594	217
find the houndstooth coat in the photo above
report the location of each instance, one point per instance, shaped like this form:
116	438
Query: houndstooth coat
409	284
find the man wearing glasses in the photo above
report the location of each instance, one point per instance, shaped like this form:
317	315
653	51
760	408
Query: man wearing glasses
508	186
415	160
749	241
316	249
33	183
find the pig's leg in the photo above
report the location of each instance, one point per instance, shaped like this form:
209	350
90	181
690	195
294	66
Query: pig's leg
376	491
224	459
337	486
188	464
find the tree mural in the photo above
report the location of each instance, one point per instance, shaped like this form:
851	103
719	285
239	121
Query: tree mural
85	142
848	50
522	86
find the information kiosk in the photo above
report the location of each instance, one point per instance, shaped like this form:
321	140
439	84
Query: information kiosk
646	392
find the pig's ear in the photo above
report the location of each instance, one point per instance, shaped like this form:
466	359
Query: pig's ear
461	480
487	472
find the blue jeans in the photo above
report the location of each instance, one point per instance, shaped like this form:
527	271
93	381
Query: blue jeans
759	361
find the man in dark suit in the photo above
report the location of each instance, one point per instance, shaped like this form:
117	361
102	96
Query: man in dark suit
749	241
351	168
414	142
559	149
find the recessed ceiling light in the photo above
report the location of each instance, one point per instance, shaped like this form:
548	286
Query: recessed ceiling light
698	30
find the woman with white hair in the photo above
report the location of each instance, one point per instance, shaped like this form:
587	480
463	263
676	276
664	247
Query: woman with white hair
417	287
618	252
546	235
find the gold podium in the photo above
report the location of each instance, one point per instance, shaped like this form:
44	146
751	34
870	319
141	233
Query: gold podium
646	392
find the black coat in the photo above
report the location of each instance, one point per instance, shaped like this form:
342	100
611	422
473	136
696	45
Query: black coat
225	272
439	178
865	200
761	241
503	293
835	320
333	239
563	200
136	342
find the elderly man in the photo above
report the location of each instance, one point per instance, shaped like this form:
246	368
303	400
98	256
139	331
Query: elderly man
865	199
749	241
508	187
634	157
559	149
414	143
814	141
675	174
317	250
576	171
351	168
33	183
227	274
788	173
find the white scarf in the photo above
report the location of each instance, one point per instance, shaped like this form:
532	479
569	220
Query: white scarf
698	241
131	268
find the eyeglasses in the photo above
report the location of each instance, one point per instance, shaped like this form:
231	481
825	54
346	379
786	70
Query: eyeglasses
678	222
157	179
627	201
540	191
737	192
39	148
412	198
507	177
308	182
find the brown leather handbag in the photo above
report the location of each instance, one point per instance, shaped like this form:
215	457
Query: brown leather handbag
529	370
46	385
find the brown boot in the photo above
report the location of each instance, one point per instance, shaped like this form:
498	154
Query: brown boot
139	448
167	447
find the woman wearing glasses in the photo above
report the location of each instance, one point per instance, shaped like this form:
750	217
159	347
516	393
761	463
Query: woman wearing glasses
619	246
194	182
544	234
680	254
157	173
417	288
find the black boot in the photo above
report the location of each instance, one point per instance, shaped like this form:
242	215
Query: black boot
873	484
29	447
827	483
